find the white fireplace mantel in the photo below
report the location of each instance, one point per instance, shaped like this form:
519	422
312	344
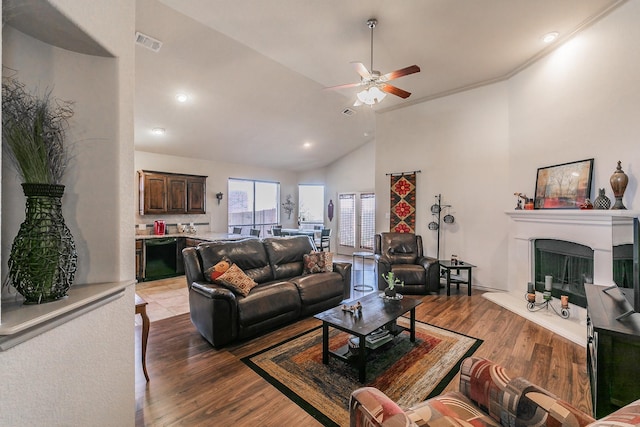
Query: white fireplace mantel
598	229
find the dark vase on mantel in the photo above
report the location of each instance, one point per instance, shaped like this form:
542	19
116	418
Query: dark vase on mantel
602	201
619	181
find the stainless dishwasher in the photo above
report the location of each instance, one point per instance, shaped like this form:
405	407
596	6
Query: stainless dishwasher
161	257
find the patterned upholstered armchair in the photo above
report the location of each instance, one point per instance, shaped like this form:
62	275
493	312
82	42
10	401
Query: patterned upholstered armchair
402	254
487	397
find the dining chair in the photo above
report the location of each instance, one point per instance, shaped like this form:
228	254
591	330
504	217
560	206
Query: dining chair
324	241
254	232
277	232
237	230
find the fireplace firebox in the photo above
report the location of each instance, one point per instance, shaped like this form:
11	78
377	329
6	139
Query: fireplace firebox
569	264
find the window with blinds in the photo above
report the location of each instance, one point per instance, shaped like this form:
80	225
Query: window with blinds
347	212
367	219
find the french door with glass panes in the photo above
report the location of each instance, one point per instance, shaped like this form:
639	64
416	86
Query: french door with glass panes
356	222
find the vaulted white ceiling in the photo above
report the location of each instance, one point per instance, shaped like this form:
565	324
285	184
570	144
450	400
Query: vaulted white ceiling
255	70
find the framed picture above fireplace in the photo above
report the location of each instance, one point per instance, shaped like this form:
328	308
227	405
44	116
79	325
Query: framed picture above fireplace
563	186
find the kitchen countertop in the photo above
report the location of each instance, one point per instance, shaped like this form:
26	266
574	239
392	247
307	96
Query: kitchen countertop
202	235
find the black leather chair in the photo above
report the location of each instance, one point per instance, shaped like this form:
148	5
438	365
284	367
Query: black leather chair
402	253
254	232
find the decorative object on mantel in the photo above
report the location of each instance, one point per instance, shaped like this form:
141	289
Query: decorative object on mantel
532	305
563	186
528	203
403	202
586	205
43	258
436	211
602	201
288	206
619	181
330	210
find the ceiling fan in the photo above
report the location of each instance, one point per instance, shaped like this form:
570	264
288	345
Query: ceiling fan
375	84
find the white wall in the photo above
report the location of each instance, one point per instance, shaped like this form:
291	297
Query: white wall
82	372
479	147
579	102
90	215
217	174
352	173
460	143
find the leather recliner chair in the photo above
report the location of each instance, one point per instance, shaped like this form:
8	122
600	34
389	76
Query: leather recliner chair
402	253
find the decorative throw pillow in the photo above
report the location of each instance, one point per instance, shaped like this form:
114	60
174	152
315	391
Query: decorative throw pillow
236	280
212	273
317	262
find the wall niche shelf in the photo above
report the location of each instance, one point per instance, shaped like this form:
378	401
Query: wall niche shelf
21	322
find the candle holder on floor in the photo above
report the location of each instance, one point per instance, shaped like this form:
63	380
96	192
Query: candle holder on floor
532	305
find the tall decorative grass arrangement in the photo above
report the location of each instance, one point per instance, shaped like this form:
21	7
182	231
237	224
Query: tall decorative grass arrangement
33	132
43	258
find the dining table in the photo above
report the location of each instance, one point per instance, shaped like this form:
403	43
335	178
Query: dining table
299	232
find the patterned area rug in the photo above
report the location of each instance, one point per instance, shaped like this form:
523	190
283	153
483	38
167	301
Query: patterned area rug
407	372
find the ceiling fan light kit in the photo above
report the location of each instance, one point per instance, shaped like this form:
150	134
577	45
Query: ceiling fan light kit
375	84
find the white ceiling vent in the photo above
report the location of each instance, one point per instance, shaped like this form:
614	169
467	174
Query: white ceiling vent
148	42
348	112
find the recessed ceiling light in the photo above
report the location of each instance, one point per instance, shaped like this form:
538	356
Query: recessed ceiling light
549	37
307	145
182	97
158	131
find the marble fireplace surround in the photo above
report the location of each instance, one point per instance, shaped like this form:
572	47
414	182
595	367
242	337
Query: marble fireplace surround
598	229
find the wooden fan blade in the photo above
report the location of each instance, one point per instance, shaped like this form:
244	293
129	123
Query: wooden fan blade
362	70
346	86
400	73
394	91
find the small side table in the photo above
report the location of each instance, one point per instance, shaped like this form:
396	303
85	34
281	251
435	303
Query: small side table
141	309
457	279
361	287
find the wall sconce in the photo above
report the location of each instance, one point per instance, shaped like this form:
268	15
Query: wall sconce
219	197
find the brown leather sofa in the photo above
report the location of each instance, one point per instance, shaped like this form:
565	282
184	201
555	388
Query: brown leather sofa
283	294
402	254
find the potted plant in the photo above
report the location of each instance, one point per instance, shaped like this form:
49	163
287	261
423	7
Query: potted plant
392	281
43	257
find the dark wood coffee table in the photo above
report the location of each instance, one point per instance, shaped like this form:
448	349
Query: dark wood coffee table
376	312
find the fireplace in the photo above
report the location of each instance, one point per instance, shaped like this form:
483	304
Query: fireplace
569	264
599	230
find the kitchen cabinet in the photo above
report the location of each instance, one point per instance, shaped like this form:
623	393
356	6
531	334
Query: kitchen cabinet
139	261
196	194
177	194
164	193
179	262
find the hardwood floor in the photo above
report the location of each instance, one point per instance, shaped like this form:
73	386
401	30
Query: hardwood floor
195	384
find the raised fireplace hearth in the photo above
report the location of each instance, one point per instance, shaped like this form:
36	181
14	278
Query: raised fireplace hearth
598	230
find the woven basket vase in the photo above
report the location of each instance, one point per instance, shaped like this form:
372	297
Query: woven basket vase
43	257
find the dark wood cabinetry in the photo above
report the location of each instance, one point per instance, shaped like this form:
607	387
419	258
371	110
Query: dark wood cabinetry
613	350
196	194
139	260
153	189
177	194
168	193
181	244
